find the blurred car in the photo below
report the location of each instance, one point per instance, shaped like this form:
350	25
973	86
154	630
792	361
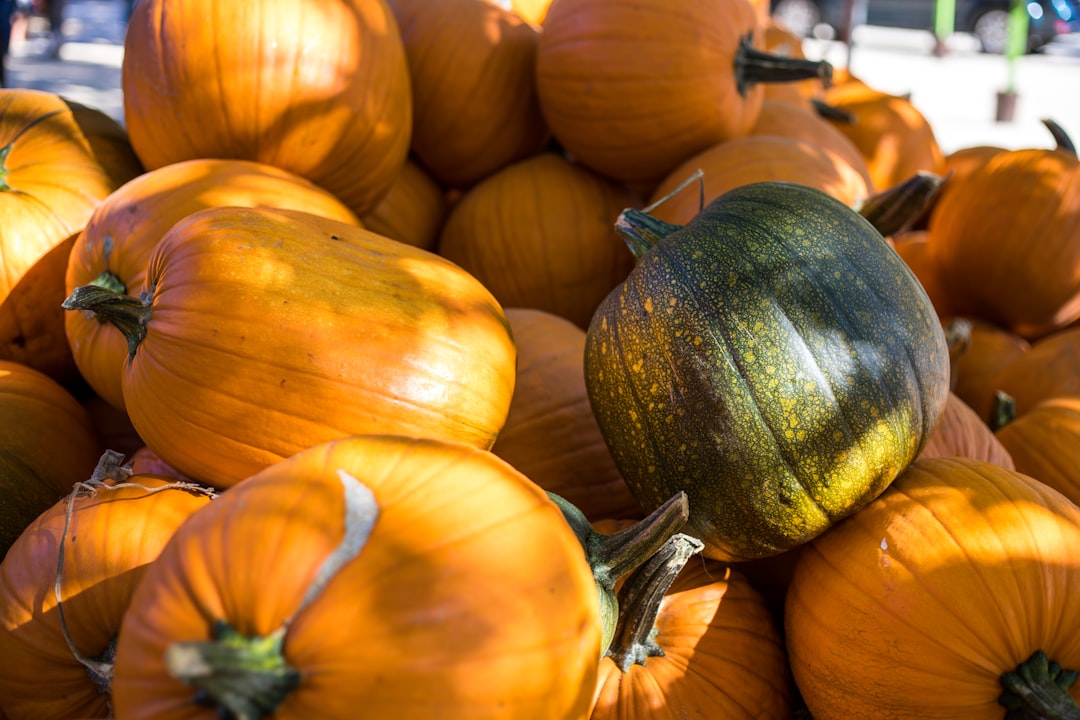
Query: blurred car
987	20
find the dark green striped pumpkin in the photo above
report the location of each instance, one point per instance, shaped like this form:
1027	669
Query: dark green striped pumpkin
775	359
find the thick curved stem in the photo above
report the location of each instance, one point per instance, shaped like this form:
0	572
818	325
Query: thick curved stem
1038	689
641	231
640	598
753	66
895	209
110	282
129	315
1061	138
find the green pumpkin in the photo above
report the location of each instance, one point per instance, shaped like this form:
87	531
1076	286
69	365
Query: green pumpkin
775	359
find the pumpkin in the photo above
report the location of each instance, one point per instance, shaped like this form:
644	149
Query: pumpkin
32	321
777	39
472	68
895	138
61	601
962	433
47	444
988	350
937	593
751	159
1044	443
412	211
538	234
1008	240
44	137
704	647
319	89
773	358
1047	370
550	434
272	330
633	89
408	577
913	247
113	249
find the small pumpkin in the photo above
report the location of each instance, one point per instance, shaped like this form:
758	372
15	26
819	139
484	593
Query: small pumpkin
318	89
412	211
407	577
113	249
987	351
61	601
774	358
962	433
913	247
946	596
272	330
1047	370
1044	443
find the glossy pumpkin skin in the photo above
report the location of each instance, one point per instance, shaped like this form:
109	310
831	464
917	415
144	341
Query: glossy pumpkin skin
551	434
757	158
962	433
723	656
275	330
470	599
1026	282
472	67
539	235
760	369
116	244
955	575
113	536
412	211
44	137
330	100
1045	444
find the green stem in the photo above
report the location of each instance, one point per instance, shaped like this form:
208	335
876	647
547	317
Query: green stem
614	556
1038	689
1003	410
129	315
247	678
641	231
640	599
958	340
1064	142
753	66
110	282
895	209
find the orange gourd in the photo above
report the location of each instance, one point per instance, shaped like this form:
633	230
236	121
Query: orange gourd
988	350
914	249
412	211
540	234
117	242
272	330
962	433
551	434
317	88
926	602
1045	444
1047	370
472	68
399	578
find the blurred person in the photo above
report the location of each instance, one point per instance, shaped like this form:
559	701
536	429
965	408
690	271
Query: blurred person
54	11
7	13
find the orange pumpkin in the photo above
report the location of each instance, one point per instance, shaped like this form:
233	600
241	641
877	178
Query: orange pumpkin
751	159
962	433
58	666
913	247
1047	370
540	234
114	248
409	578
989	350
272	330
934	593
633	89
472	67
1045	444
412	211
43	138
317	88
533	11
551	434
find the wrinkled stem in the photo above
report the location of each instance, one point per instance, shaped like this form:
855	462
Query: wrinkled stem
640	599
753	66
128	314
1003	410
893	210
641	231
958	340
1038	689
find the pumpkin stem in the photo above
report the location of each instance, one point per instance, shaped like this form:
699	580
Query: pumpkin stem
832	112
247	677
753	66
109	281
1064	142
614	556
1038	689
128	314
1003	411
893	210
640	598
958	340
641	231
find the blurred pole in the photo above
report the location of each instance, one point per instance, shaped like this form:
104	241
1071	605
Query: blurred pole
944	24
1016	44
854	15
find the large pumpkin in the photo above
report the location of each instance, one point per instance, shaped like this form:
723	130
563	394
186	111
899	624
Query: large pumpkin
267	331
45	139
382	577
83	557
1047	370
317	88
1045	444
918	605
113	249
774	358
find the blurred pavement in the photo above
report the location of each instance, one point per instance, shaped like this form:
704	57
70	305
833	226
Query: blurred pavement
956	93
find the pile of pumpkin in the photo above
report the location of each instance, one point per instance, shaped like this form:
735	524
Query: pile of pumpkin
586	359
